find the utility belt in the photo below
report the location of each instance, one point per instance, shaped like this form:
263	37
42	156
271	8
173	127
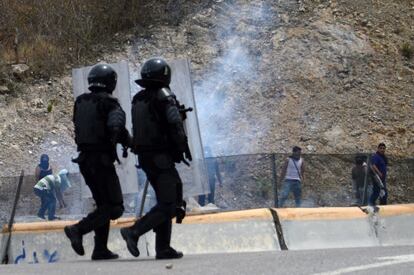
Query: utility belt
151	149
99	147
107	149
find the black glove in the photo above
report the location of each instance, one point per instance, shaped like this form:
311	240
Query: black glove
179	157
180	212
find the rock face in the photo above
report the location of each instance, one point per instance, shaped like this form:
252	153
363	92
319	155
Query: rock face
29	127
325	75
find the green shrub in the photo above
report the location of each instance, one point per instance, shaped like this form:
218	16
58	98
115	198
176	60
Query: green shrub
50	106
407	50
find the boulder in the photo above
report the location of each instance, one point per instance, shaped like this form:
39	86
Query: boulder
20	70
4	90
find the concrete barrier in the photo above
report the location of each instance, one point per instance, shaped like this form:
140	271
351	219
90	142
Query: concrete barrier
45	242
240	231
394	224
229	232
316	228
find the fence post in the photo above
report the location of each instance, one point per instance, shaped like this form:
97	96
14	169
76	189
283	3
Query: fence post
365	193
5	246
274	178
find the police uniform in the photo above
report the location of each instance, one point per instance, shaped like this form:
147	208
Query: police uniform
99	124
160	141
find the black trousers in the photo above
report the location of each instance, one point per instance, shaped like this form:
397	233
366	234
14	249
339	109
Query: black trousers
164	178
98	170
376	193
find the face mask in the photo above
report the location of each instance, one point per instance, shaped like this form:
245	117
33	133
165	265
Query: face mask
44	162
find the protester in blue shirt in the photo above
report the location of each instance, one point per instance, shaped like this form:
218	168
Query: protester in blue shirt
379	163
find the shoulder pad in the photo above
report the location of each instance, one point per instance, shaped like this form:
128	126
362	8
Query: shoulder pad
112	99
104	95
83	96
141	95
108	99
164	93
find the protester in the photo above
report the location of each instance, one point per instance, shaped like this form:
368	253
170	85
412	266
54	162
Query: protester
213	174
359	179
48	189
43	168
293	176
379	163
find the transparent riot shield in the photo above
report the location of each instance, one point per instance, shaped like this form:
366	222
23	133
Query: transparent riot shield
126	170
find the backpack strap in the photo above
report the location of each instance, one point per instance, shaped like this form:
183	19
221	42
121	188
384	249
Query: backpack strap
294	163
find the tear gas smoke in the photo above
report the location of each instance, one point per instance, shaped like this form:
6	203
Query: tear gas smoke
221	92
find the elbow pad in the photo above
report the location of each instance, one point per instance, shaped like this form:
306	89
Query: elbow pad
116	118
171	112
116	124
175	123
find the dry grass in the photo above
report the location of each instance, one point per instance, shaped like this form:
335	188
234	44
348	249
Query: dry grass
51	33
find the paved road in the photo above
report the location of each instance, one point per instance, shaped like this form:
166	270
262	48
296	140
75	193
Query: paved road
376	260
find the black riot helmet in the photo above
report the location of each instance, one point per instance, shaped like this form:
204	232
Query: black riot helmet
102	78
155	72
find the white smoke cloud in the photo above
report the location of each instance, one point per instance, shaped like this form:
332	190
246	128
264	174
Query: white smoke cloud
217	95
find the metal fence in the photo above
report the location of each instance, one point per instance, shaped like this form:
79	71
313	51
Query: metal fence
253	181
248	181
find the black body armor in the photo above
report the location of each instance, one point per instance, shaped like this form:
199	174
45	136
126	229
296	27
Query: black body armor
157	124
99	122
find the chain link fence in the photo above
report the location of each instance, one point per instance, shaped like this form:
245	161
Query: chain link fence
247	182
253	181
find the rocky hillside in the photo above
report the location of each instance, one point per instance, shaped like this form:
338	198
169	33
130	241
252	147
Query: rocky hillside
331	76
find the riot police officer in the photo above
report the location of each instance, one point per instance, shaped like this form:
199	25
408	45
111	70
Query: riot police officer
160	141
99	125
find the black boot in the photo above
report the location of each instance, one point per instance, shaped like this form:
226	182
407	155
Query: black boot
131	239
163	236
131	234
104	254
169	253
75	237
162	242
101	251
